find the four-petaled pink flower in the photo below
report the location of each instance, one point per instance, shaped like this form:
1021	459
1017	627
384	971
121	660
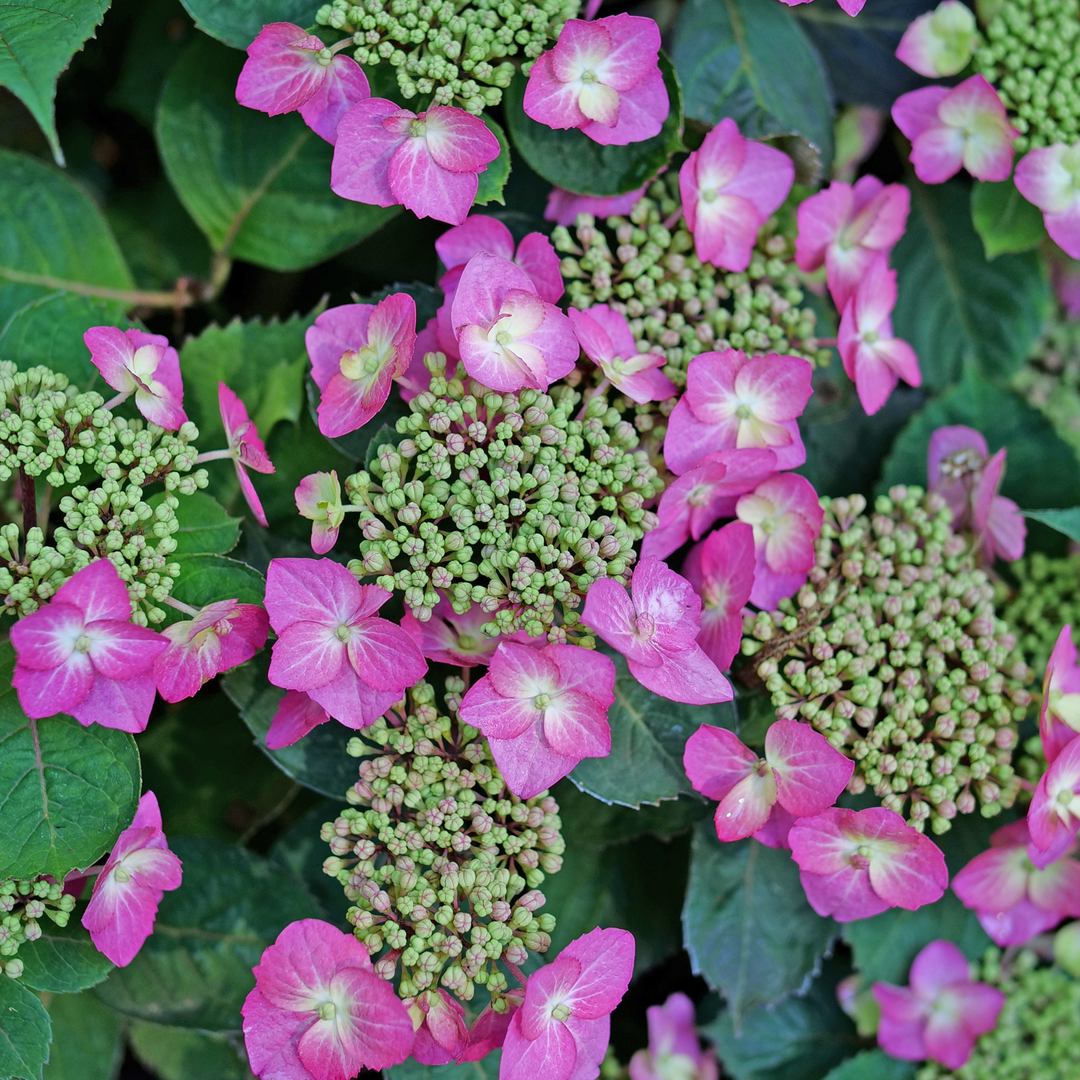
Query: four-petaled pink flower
736	401
562	1029
429	163
800	771
450	638
1059	713
297	714
729	188
221	636
332	644
139	871
854	864
542	710
357	350
953	127
441	1034
81	654
563	206
603	78
655	626
1054	815
146	365
1013	899
288	69
605	338
940	43
847	228
318	498
319	1011
873	358
508	337
245	447
941	1013
1049	177
674	1051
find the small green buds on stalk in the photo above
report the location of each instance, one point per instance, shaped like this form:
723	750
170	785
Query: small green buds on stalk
23	904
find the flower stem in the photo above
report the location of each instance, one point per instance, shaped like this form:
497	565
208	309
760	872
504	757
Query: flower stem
187	609
214	455
120	398
28	498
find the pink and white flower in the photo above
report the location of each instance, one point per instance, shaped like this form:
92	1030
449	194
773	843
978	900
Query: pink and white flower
1054	815
450	638
674	1051
146	365
297	714
1059	712
941	42
1049	177
849	7
441	1034
563	207
246	449
318	498
605	338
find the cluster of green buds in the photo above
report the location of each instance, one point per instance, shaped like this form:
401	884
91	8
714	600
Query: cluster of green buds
1046	597
52	432
441	861
1050	380
23	903
892	650
455	50
503	500
1031	56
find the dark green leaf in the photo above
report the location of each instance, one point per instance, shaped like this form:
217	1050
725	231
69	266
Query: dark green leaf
487	1069
205	527
595	823
180	1054
1066	522
873	1065
25	1032
63	960
300	849
87	1042
1004	219
205	579
238	22
571	160
493	178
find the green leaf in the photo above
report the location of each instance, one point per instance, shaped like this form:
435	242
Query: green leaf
596	824
39	39
747	925
238	22
1004	219
570	159
63	960
195	969
750	60
205	527
87	1042
1066	522
205	579
487	1069
25	1032
956	309
493	179
257	186
648	734
873	1065
172	1053
300	849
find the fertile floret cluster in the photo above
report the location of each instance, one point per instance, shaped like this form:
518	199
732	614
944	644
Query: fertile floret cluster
892	650
1050	380
441	861
454	50
23	903
1047	597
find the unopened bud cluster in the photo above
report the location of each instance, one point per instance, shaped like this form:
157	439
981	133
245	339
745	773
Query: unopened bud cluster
442	862
1046	598
503	500
1050	380
893	651
23	904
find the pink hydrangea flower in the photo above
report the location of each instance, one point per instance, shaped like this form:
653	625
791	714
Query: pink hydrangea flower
542	710
139	871
1054	814
1013	899
603	78
941	42
800	770
508	337
846	228
563	207
81	654
655	626
219	637
854	864
296	715
319	1011
332	644
733	400
246	449
562	1029
450	638
489	1029
775	832
441	1034
1065	275
850	7
318	498
786	517
1059	712
873	358
416	378
357	350
288	69
950	128
146	365
429	163
729	188
1049	177
941	1013
674	1051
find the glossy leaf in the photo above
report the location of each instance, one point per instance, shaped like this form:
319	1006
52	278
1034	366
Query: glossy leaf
1066	522
25	1032
172	1053
63	960
87	1041
1004	219
205	579
205	527
300	849
873	1065
237	22
493	179
487	1069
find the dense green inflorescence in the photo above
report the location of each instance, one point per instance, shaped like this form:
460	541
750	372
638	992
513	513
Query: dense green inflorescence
1050	380
1047	597
52	432
441	861
23	904
459	52
893	651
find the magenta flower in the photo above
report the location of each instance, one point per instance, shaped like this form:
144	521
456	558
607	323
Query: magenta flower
846	228
417	378
288	69
139	871
775	832
441	1034
729	188
450	638
332	644
357	350
296	715
318	498
941	42
81	654
800	771
429	163
1065	275
655	626
542	710
1013	899
319	1011
146	365
1054	814
850	7
941	1013
786	517
563	207
562	1029
489	1029
854	864
873	358
736	401
674	1051
605	338
952	127
603	78
508	337
1049	177
1059	713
